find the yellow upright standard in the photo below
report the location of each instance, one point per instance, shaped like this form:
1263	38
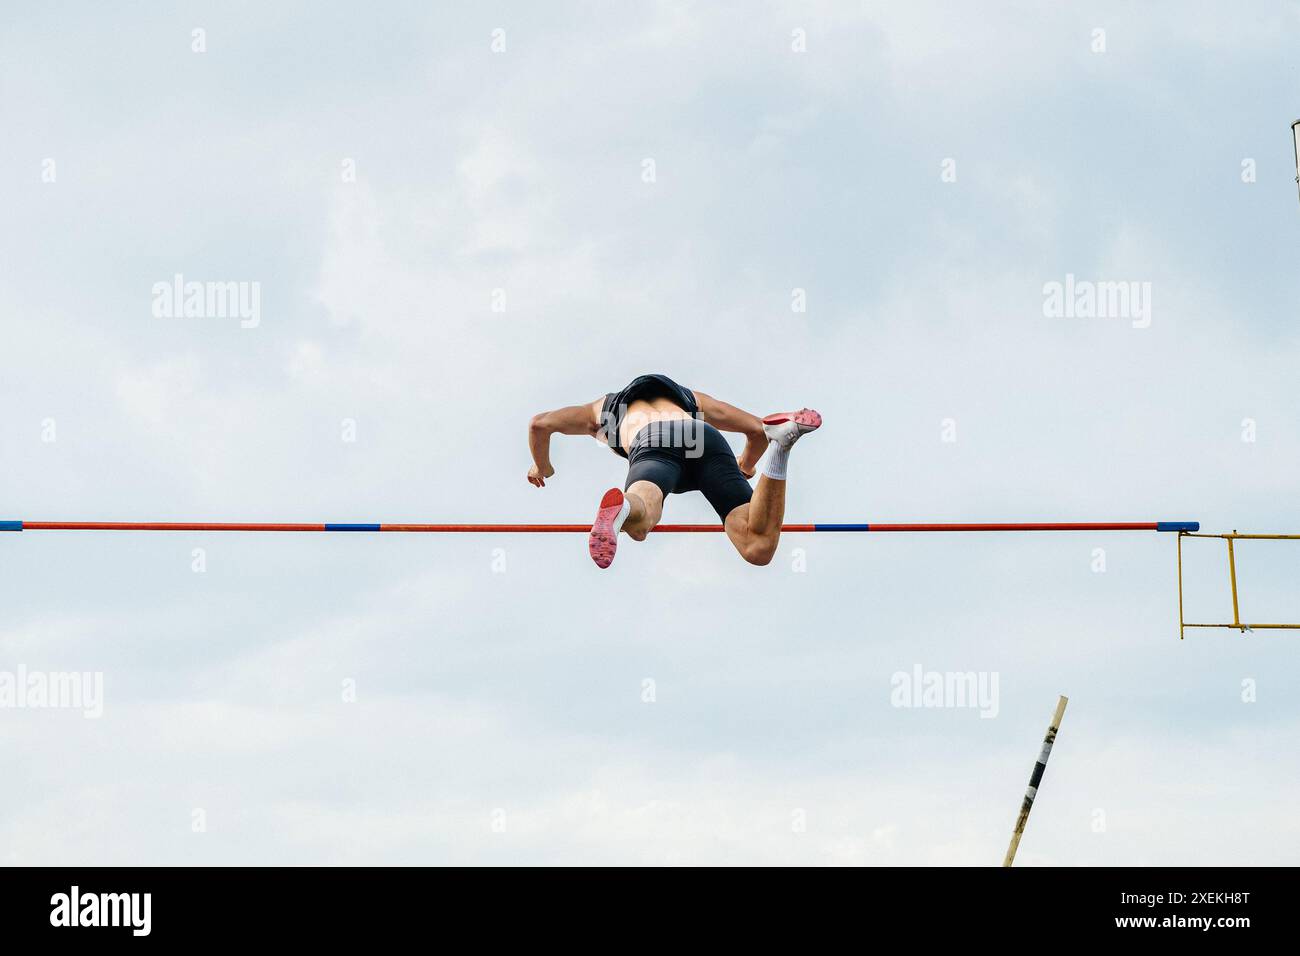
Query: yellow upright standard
1236	621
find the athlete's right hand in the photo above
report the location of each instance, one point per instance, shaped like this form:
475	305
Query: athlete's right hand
537	476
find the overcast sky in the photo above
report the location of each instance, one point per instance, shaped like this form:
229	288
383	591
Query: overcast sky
458	215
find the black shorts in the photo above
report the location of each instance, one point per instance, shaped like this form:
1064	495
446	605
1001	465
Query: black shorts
688	455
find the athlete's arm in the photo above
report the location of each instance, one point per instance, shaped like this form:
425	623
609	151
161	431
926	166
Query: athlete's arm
570	420
729	418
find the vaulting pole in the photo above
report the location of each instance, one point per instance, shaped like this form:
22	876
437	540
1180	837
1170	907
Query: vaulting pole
1035	779
1183	526
1295	137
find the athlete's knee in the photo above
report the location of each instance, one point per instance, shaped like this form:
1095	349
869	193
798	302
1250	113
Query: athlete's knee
637	534
759	551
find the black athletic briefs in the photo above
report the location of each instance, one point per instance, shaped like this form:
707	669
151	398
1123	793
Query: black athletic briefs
688	455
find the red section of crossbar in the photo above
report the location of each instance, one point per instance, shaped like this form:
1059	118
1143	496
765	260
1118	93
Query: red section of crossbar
488	528
164	526
1076	526
545	528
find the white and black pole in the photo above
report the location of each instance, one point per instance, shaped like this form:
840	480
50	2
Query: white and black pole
1295	137
1035	780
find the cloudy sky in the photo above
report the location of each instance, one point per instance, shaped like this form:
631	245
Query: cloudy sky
457	215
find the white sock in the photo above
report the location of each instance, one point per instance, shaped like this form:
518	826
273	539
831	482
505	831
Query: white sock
622	515
774	465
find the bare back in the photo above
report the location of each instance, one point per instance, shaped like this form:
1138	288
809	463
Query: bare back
642	412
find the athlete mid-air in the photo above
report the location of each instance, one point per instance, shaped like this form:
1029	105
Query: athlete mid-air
672	439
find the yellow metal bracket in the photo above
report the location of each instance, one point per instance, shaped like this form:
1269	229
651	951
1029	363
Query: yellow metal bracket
1236	622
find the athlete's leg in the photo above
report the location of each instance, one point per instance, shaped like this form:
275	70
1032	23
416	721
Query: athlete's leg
746	516
653	471
647	507
755	528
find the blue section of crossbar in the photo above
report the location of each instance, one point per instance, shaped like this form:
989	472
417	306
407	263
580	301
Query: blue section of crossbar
353	527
